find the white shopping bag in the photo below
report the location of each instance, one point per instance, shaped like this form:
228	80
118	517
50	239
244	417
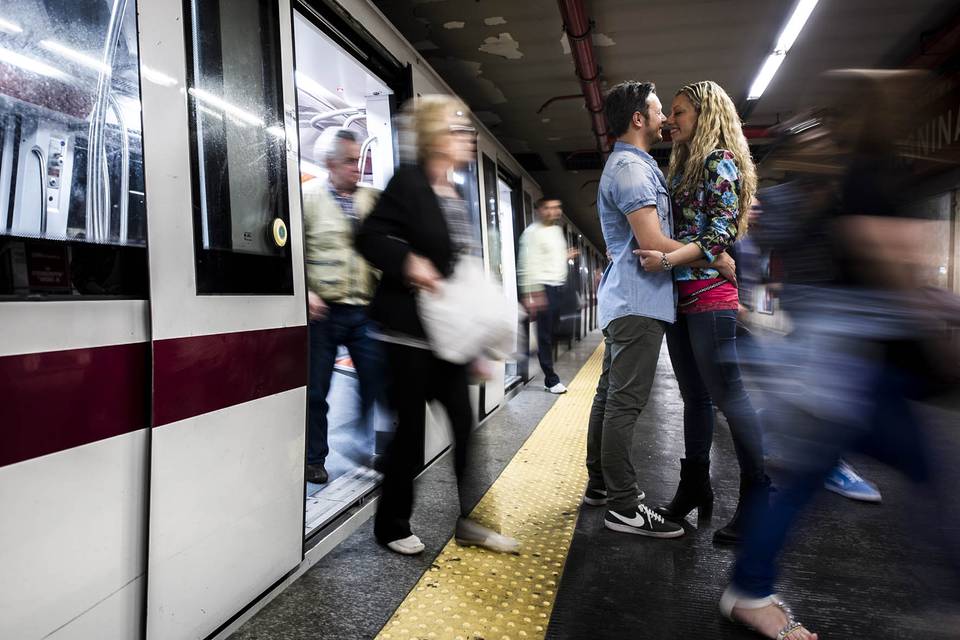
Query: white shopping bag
468	316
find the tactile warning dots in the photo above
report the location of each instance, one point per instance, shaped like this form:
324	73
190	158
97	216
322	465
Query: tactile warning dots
474	594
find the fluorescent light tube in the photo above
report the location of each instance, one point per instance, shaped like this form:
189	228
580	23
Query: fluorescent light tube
767	71
795	25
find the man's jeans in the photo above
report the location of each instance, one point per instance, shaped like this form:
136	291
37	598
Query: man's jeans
703	351
547	320
347	325
630	353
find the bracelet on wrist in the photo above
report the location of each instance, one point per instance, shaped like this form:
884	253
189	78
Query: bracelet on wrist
665	262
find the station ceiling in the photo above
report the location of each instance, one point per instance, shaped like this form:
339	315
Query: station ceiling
507	58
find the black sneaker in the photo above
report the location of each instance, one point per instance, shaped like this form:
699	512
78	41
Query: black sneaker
598	497
643	522
316	474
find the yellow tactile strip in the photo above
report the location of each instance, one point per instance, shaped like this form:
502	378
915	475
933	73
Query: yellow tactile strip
474	594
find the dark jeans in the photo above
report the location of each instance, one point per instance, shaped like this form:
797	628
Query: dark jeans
547	320
630	353
703	351
416	377
347	325
887	429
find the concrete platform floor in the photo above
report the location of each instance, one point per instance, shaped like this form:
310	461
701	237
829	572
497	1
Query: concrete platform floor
853	571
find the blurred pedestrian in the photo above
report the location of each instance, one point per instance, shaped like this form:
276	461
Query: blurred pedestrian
340	284
419	228
862	329
542	276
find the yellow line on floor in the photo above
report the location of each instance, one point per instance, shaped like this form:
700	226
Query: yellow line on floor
474	594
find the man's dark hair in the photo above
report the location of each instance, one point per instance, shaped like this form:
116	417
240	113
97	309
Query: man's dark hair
623	101
542	201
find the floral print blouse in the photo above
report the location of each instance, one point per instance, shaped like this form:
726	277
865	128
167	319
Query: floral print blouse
709	216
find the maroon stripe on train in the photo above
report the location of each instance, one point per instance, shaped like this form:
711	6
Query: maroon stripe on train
197	375
58	400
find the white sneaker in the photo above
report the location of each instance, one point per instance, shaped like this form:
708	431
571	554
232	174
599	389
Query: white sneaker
409	546
557	388
470	533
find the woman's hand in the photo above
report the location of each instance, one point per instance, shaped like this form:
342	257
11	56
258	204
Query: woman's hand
651	261
421	274
726	267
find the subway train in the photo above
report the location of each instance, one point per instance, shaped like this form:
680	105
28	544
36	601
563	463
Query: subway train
153	325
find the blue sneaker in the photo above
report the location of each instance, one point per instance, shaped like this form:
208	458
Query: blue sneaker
848	483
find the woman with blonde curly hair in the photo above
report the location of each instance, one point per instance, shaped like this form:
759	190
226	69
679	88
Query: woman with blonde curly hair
414	236
712	181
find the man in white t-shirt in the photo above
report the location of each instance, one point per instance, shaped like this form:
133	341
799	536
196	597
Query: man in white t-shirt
543	274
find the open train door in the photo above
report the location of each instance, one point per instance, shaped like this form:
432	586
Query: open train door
229	334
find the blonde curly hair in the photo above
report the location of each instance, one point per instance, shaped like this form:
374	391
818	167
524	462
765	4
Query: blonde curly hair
718	127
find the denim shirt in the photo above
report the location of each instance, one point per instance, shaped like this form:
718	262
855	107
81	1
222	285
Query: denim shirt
631	180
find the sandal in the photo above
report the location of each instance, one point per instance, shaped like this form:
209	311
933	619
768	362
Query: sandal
730	599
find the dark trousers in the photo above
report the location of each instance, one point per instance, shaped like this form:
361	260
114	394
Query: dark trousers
347	325
630	353
885	426
547	320
416	377
703	351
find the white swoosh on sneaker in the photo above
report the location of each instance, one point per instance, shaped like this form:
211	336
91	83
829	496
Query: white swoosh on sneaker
636	521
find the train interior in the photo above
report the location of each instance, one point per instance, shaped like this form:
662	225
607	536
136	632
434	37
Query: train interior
334	90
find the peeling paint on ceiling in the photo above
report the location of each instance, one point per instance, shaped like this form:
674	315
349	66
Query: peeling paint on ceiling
495	20
503	45
482	91
425	45
599	40
454	25
602	40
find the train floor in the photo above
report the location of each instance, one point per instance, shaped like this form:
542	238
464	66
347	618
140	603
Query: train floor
852	570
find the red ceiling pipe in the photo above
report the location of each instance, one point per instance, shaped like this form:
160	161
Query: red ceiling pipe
578	28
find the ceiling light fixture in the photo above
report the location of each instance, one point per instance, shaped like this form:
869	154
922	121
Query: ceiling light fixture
784	42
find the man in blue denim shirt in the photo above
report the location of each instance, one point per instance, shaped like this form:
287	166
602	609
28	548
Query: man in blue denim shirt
633	305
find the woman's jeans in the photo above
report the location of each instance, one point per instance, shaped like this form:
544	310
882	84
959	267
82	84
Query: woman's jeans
857	405
703	350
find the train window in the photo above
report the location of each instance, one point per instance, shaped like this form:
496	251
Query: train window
72	203
335	91
238	147
493	217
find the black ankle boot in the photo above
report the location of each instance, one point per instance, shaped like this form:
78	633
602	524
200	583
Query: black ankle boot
754	497
693	492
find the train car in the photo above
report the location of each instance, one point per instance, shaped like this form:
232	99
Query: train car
153	326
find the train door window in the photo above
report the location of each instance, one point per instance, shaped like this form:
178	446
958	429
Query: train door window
238	147
527	210
511	208
492	220
72	204
336	91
